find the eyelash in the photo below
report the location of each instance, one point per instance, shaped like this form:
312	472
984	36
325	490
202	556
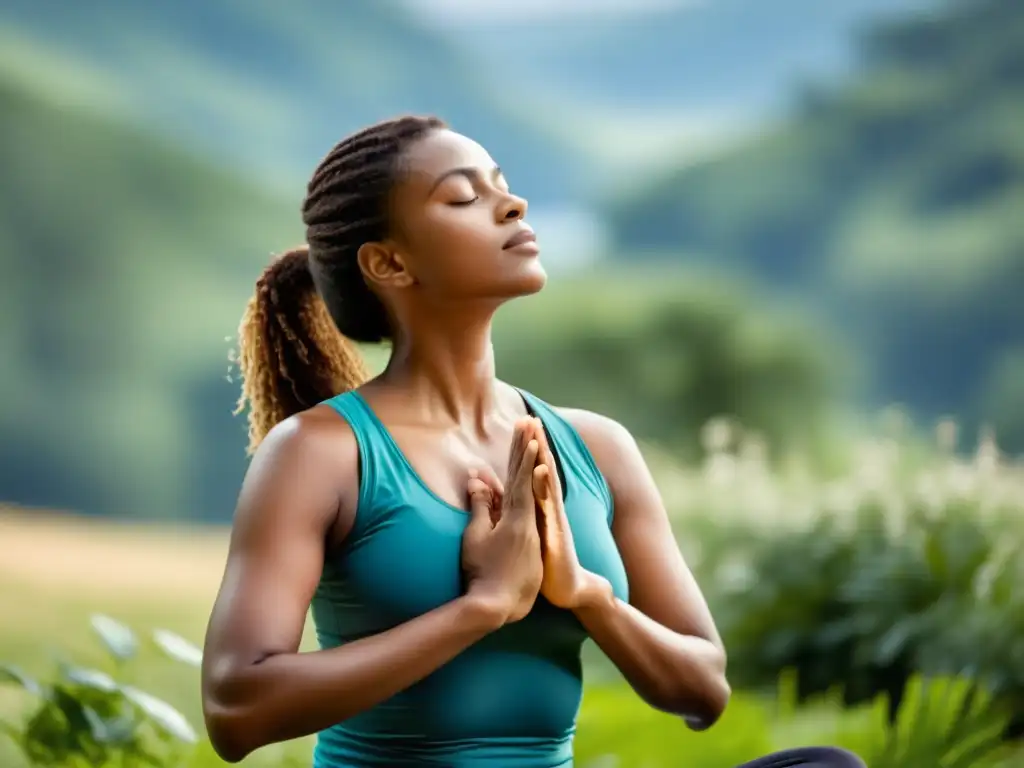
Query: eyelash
466	202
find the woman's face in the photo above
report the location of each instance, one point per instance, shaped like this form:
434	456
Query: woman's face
459	232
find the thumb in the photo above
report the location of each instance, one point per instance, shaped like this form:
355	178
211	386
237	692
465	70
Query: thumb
488	475
479	502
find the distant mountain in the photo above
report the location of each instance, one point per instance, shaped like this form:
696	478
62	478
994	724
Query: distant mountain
271	86
732	57
893	202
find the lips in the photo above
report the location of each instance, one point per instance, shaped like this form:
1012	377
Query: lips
521	237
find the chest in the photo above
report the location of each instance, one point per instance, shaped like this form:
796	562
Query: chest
442	459
406	561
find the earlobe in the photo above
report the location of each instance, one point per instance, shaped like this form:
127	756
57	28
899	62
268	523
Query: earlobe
383	266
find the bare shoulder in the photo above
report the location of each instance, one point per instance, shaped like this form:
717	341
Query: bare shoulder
308	466
608	440
318	433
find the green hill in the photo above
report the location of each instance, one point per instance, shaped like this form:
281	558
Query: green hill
128	262
271	86
893	202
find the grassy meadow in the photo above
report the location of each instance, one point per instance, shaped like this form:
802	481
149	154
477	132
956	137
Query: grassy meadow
66	569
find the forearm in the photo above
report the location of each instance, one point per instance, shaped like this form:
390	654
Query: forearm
290	695
676	673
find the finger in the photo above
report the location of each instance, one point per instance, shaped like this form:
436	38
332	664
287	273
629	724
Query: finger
495	488
489	476
548	460
542	435
522	487
518	445
479	502
546	456
541	482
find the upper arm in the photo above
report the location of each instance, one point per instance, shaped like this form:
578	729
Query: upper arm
290	499
660	583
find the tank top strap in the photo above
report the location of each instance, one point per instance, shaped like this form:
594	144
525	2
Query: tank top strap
383	470
577	461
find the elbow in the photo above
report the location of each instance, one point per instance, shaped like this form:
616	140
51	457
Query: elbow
229	723
708	709
230	736
713	696
698	695
700	706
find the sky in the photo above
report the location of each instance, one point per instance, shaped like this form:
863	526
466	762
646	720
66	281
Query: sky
469	11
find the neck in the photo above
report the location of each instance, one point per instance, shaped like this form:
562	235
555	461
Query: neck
449	369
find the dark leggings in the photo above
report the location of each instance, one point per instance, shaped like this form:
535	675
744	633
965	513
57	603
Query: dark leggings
808	757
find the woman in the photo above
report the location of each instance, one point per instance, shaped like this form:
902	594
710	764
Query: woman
457	538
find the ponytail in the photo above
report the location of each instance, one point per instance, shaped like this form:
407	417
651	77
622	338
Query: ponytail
290	353
295	350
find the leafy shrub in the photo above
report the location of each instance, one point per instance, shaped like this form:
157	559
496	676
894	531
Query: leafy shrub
88	717
91	717
900	566
690	349
944	722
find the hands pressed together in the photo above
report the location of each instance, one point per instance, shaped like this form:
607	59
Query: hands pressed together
518	543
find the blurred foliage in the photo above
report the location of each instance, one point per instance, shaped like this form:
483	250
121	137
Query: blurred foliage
946	722
892	204
901	566
89	717
692	349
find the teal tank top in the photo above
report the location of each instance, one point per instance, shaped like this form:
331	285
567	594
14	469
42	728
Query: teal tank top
512	698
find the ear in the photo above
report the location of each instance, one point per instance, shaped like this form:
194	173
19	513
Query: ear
382	265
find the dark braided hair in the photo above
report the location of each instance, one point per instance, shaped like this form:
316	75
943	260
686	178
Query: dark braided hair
311	303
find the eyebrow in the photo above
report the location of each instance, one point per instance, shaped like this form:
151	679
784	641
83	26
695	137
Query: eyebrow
469	172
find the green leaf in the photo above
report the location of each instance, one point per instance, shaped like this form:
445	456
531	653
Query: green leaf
90	678
166	717
13	733
935	556
12	674
177	647
118	639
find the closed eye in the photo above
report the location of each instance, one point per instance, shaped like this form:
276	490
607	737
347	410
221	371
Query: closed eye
465	202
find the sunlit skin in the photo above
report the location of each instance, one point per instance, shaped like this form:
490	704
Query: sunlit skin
459	249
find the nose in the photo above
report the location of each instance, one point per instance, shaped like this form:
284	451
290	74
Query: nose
512	208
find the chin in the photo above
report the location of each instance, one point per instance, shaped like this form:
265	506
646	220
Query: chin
524	288
531	280
526	279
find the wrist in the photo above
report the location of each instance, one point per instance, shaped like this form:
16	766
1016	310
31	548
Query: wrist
595	593
484	611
